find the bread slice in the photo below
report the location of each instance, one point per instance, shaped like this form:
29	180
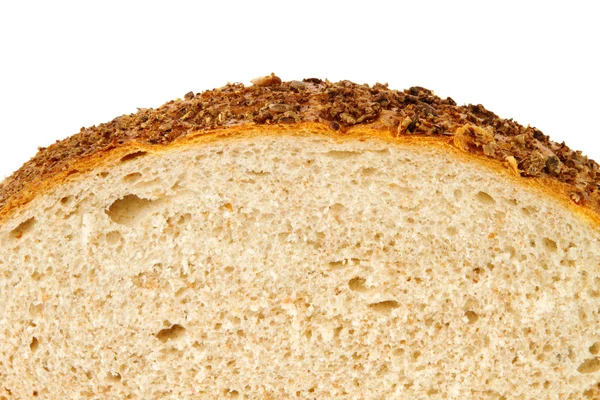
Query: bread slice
302	240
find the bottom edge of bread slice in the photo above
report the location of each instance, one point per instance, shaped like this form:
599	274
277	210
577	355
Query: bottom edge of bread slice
299	266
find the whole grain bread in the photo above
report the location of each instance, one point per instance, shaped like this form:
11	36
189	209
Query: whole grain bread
302	239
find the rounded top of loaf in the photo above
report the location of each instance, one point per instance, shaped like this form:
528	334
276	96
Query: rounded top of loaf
339	109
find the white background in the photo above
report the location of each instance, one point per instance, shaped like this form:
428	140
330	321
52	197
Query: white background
64	65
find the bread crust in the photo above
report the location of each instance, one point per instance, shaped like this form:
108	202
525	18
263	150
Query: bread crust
343	110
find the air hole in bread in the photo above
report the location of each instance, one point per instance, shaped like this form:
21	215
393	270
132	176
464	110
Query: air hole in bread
549	244
217	231
133	156
341	154
34	344
367	171
451	230
399	352
128	209
114	377
336	332
335	209
36	309
175	332
231	393
512	251
65	201
226	207
146	280
36	276
180	292
589	366
357	284
114	238
547	348
527	211
178	187
477	274
184	218
133	177
334	265
485	198
145	184
567	262
384	307
198	346
583	316
546	384
258	173
595	348
593	393
472	317
23	228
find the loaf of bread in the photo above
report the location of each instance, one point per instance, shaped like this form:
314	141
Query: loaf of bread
302	240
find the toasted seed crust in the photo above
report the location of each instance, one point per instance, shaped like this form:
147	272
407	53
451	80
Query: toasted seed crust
335	108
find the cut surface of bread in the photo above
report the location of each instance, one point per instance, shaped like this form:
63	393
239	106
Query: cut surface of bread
287	262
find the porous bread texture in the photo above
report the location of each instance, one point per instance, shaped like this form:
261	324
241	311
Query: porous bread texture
299	267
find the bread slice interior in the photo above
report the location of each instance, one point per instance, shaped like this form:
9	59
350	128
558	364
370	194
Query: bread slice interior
298	266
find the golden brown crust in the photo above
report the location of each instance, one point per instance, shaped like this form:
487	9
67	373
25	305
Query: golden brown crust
342	109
